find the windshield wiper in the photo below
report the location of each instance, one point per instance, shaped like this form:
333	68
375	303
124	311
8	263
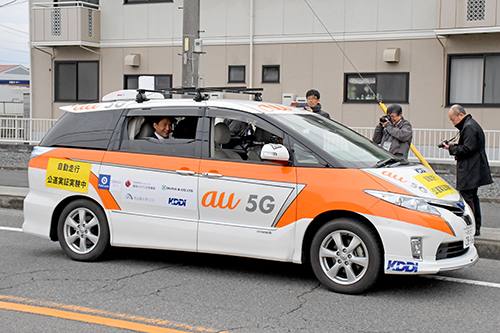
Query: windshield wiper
385	162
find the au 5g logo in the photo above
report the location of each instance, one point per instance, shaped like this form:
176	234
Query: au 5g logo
264	204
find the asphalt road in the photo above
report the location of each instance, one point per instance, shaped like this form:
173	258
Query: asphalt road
209	293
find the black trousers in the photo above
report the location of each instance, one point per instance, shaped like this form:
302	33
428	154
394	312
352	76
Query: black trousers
470	196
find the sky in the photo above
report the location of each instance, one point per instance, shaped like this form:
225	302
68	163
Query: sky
14	32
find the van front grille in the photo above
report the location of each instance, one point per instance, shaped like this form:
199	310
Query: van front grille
451	250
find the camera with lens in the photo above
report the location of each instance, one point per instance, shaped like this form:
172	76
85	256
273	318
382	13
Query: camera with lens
385	119
445	142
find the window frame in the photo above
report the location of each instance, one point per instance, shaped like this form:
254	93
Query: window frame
267	67
367	75
57	98
214	113
482	84
234	67
170	147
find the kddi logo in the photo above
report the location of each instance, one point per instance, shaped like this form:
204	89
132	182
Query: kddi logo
177	202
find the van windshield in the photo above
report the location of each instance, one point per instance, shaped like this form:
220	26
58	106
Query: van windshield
346	146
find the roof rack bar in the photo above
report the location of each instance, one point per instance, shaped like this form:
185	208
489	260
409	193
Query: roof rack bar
199	92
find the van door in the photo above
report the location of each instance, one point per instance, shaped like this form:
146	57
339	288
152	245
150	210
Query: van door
247	206
154	182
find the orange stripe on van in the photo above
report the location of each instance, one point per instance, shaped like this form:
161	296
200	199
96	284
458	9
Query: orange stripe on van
41	161
106	197
342	189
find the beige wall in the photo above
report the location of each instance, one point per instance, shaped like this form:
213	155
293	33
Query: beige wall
286	33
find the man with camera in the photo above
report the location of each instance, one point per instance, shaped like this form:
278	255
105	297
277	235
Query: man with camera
394	133
473	169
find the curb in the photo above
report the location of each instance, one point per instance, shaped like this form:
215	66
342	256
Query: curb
12	202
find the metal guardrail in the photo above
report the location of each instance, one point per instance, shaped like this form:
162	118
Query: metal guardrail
24	130
32	130
426	141
11	108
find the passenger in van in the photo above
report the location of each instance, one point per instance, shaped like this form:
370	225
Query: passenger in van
163	127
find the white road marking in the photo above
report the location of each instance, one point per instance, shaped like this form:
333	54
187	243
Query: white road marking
457	280
435	277
11	229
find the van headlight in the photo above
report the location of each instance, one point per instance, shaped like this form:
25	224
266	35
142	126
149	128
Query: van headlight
406	201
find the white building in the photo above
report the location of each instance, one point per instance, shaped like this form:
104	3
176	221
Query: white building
422	54
14	80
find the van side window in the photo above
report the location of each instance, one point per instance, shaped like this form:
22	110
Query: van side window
177	135
90	130
240	139
303	156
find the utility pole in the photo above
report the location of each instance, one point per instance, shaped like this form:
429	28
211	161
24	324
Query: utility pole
190	32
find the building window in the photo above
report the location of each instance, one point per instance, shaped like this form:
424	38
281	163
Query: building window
161	82
127	2
474	79
389	87
76	81
271	74
236	74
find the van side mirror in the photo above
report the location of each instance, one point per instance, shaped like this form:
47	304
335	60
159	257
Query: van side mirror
274	152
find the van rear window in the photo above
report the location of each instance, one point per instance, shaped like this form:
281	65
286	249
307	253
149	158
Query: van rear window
91	130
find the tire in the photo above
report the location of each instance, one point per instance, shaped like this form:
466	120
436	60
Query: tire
83	230
346	256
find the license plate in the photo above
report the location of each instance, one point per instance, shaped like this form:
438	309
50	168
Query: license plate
468	237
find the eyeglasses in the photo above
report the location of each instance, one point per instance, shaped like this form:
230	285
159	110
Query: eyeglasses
312	98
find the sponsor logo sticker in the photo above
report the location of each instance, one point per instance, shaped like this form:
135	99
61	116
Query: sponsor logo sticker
401	266
104	182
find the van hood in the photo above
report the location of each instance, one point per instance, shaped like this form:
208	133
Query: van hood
417	180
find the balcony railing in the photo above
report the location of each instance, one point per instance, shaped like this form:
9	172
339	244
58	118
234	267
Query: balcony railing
467	16
66	23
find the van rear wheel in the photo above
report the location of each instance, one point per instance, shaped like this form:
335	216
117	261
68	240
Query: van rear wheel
83	230
346	256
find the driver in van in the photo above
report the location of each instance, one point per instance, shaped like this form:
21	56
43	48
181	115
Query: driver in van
163	127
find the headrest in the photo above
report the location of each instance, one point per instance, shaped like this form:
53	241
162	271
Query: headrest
222	134
262	136
134	126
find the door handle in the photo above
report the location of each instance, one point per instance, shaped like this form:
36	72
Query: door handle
185	172
211	175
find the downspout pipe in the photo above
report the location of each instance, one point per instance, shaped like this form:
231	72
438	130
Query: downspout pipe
250	66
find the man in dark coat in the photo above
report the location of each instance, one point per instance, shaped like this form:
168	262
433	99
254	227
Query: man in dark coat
473	169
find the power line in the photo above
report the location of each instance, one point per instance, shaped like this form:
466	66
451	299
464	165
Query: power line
16	62
8	3
6	27
9	49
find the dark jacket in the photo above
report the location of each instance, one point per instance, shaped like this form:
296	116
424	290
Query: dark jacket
399	137
473	169
317	110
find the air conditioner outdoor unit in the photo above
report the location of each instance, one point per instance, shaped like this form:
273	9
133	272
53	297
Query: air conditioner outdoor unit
216	95
287	98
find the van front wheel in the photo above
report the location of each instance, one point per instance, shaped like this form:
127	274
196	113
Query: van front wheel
83	230
346	256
